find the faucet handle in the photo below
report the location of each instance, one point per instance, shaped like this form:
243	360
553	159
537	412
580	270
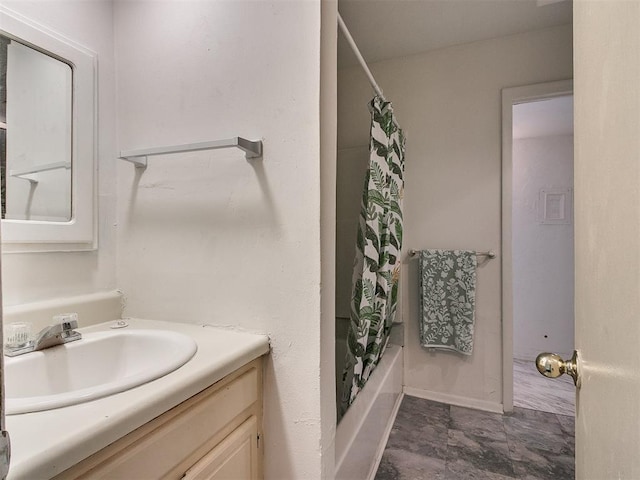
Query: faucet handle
68	321
18	334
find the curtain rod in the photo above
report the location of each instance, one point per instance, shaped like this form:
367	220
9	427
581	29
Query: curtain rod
359	56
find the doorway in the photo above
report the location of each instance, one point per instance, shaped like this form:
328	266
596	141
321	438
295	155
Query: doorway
543	250
537	241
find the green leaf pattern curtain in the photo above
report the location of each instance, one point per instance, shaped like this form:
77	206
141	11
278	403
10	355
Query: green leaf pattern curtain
376	271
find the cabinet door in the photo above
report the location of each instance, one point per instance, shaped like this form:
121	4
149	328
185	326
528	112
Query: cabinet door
235	458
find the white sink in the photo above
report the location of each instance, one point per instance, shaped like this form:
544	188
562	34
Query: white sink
100	364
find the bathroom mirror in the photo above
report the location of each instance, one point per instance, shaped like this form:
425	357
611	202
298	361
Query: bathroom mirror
35	134
47	139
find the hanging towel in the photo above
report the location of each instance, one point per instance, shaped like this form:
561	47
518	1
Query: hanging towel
447	299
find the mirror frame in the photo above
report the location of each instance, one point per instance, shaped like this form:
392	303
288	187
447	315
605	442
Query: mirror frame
80	232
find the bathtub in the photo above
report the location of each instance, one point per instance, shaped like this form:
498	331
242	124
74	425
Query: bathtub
362	433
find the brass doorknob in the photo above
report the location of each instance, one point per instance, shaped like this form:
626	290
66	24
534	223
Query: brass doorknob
552	365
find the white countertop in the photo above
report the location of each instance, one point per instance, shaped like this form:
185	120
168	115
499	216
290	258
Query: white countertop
46	443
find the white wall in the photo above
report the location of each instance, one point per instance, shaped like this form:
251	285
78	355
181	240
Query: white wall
542	253
448	102
209	237
40	276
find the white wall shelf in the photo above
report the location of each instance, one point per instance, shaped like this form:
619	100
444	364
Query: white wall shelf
252	149
21	173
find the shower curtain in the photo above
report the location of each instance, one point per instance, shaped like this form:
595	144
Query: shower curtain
376	270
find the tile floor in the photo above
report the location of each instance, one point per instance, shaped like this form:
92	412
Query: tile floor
435	441
532	390
431	440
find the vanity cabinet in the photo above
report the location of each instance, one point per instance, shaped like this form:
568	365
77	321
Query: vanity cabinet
235	457
213	435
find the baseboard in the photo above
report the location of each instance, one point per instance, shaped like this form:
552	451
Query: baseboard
457	400
385	438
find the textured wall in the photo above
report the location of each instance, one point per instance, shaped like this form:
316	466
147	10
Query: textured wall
210	237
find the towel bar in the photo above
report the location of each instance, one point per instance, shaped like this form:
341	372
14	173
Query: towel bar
490	253
252	149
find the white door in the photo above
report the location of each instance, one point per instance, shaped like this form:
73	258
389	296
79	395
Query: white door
607	228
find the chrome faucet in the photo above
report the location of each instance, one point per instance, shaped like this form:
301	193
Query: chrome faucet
56	334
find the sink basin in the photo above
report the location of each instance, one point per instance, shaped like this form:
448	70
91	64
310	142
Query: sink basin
100	364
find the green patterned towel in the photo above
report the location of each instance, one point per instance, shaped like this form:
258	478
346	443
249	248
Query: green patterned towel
447	299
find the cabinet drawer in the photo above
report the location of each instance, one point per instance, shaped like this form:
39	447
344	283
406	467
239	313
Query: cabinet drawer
170	442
